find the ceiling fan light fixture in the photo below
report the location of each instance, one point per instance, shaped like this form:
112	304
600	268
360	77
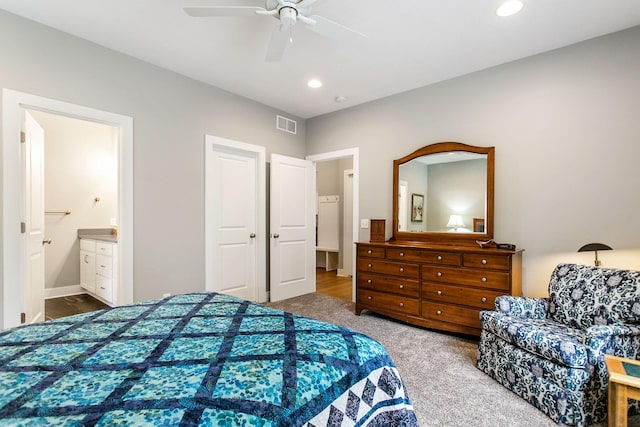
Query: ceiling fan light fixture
509	7
314	83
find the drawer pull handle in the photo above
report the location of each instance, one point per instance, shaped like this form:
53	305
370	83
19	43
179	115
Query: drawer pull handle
369	297
439	257
401	304
484	299
103	266
401	253
484	279
369	251
438	312
401	270
439	274
369	281
103	288
439	292
369	265
401	286
484	261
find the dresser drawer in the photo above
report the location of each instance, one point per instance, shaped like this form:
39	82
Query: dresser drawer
409	271
104	265
423	255
388	302
451	314
466	276
494	262
395	285
475	297
371	251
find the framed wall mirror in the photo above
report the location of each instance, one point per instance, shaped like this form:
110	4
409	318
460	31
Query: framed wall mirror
444	193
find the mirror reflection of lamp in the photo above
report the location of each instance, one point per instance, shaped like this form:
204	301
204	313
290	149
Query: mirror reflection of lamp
455	222
595	247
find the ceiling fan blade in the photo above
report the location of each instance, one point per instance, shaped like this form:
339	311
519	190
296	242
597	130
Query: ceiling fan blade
329	28
249	9
278	43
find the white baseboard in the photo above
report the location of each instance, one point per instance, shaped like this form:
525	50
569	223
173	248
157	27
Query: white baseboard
342	273
63	291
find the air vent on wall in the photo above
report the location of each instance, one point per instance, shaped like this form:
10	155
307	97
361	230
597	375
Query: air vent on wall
285	124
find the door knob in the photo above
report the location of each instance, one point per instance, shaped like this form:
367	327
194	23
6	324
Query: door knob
276	235
252	235
46	242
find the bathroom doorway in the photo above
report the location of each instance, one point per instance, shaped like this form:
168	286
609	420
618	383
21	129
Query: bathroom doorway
80	192
14	273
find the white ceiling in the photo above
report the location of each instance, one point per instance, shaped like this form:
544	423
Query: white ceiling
411	43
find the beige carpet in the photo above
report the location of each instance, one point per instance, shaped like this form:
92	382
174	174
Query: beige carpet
438	369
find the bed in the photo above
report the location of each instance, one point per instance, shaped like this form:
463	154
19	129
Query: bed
202	359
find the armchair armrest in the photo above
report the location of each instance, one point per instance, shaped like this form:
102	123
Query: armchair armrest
621	340
603	331
533	308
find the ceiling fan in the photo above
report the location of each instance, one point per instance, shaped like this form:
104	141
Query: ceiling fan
287	12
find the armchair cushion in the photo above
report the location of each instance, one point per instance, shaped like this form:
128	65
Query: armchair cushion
546	339
581	296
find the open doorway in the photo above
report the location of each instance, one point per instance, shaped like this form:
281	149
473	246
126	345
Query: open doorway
80	193
337	213
15	271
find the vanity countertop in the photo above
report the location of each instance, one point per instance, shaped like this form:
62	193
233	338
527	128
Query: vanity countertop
103	234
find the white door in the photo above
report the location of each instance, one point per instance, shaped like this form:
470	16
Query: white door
34	238
235	240
293	186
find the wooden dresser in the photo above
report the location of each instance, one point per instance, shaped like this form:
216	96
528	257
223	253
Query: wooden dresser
436	286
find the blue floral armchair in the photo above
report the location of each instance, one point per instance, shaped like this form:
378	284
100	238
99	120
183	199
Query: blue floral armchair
550	350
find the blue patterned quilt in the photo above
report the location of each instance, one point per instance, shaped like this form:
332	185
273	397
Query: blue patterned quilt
200	359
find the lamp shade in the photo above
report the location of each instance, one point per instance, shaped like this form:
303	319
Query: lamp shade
595	247
455	221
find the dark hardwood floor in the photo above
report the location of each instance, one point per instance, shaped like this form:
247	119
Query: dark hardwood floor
327	283
54	308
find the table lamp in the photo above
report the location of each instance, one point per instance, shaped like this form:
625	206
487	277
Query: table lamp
595	247
455	222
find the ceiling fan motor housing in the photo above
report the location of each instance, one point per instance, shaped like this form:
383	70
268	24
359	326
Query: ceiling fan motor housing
288	15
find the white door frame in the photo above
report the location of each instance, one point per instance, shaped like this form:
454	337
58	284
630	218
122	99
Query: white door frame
261	216
13	263
347	183
354	153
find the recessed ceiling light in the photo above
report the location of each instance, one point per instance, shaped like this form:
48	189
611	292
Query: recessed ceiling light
510	7
314	83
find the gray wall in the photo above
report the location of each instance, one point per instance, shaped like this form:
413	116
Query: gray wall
564	123
566	129
171	115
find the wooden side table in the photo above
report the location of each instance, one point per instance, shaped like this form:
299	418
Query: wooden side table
624	384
